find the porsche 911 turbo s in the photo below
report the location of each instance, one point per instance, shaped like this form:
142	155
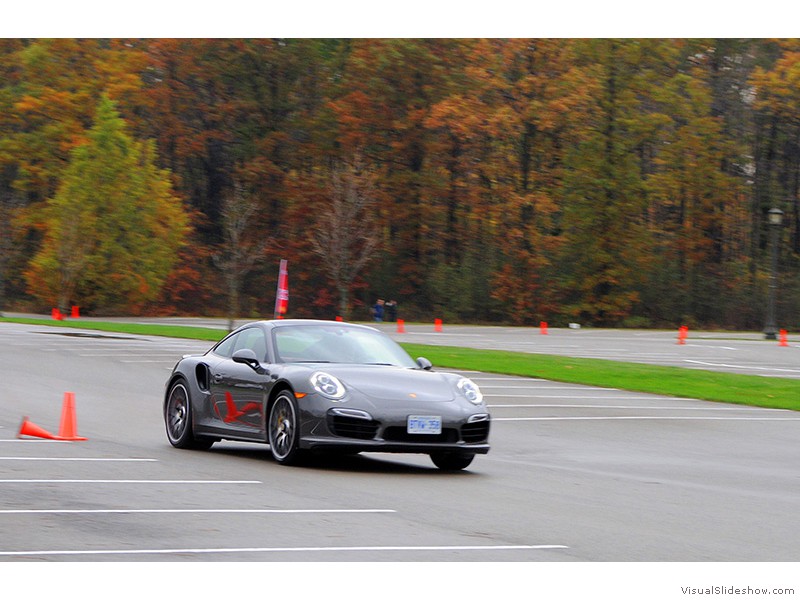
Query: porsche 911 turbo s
323	386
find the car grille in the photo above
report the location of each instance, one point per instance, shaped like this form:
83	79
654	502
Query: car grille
400	434
362	429
473	433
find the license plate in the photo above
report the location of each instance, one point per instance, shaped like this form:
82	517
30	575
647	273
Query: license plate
424	424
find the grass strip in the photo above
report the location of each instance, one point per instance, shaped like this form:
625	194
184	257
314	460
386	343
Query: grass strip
751	390
174	331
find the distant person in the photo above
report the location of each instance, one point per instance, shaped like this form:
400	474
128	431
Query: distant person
391	310
377	310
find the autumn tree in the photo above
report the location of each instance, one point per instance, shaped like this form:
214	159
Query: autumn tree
242	114
777	105
55	86
9	197
345	235
49	89
529	94
776	184
694	203
607	181
606	245
114	226
388	92
5	248
243	244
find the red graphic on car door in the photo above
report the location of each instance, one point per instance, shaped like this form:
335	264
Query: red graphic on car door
243	415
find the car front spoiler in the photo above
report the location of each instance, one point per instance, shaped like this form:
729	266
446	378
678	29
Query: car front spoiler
355	445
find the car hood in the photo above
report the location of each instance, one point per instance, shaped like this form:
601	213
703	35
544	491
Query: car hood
395	383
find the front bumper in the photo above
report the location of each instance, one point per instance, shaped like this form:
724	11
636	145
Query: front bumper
350	429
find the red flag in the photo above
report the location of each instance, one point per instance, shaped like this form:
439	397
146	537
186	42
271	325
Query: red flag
282	297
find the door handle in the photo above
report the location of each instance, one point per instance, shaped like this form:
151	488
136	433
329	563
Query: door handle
218	377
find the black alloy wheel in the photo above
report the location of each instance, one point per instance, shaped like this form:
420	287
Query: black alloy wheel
282	429
178	419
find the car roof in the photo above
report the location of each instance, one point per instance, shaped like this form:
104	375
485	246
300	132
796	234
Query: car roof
308	322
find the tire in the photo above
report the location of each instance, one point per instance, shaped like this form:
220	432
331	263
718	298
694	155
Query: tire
178	420
452	461
282	429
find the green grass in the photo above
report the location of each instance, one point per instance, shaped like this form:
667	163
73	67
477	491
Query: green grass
769	392
175	331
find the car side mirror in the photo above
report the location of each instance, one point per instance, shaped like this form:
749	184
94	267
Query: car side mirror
246	356
424	363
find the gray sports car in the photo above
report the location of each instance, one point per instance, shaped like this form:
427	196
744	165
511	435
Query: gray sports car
304	385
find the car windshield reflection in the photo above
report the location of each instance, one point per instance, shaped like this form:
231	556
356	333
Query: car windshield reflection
338	344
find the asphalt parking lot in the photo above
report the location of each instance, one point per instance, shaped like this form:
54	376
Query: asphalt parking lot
575	474
731	352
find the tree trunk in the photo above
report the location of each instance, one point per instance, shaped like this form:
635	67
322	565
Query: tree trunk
344	302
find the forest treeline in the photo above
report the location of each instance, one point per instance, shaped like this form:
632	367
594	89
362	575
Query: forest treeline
618	182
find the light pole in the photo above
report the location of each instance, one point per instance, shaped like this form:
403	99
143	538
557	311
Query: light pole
774	219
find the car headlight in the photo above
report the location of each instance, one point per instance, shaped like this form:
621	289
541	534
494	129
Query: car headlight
327	385
470	390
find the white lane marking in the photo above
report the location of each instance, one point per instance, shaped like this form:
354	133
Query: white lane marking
506	378
198	510
34	441
645	418
279	550
543	387
121	355
708	364
622	406
570	397
56	459
145	481
163	360
443	335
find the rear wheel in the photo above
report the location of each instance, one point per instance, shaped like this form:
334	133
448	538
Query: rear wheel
452	461
282	429
178	419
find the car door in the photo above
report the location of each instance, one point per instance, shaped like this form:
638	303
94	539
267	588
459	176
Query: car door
238	391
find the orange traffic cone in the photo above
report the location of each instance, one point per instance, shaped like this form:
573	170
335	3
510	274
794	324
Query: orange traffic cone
28	428
437	325
784	341
68	430
401	326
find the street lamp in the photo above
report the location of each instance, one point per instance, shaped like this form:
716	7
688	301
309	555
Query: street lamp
774	219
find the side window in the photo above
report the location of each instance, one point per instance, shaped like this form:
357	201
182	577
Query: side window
226	347
253	339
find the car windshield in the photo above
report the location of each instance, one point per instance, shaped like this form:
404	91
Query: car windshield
338	344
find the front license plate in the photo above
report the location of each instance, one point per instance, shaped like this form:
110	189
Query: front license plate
421	424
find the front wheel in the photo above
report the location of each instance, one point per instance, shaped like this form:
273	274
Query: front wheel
178	419
452	461
282	429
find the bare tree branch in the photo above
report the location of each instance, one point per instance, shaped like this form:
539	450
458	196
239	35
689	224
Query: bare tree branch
346	235
241	249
